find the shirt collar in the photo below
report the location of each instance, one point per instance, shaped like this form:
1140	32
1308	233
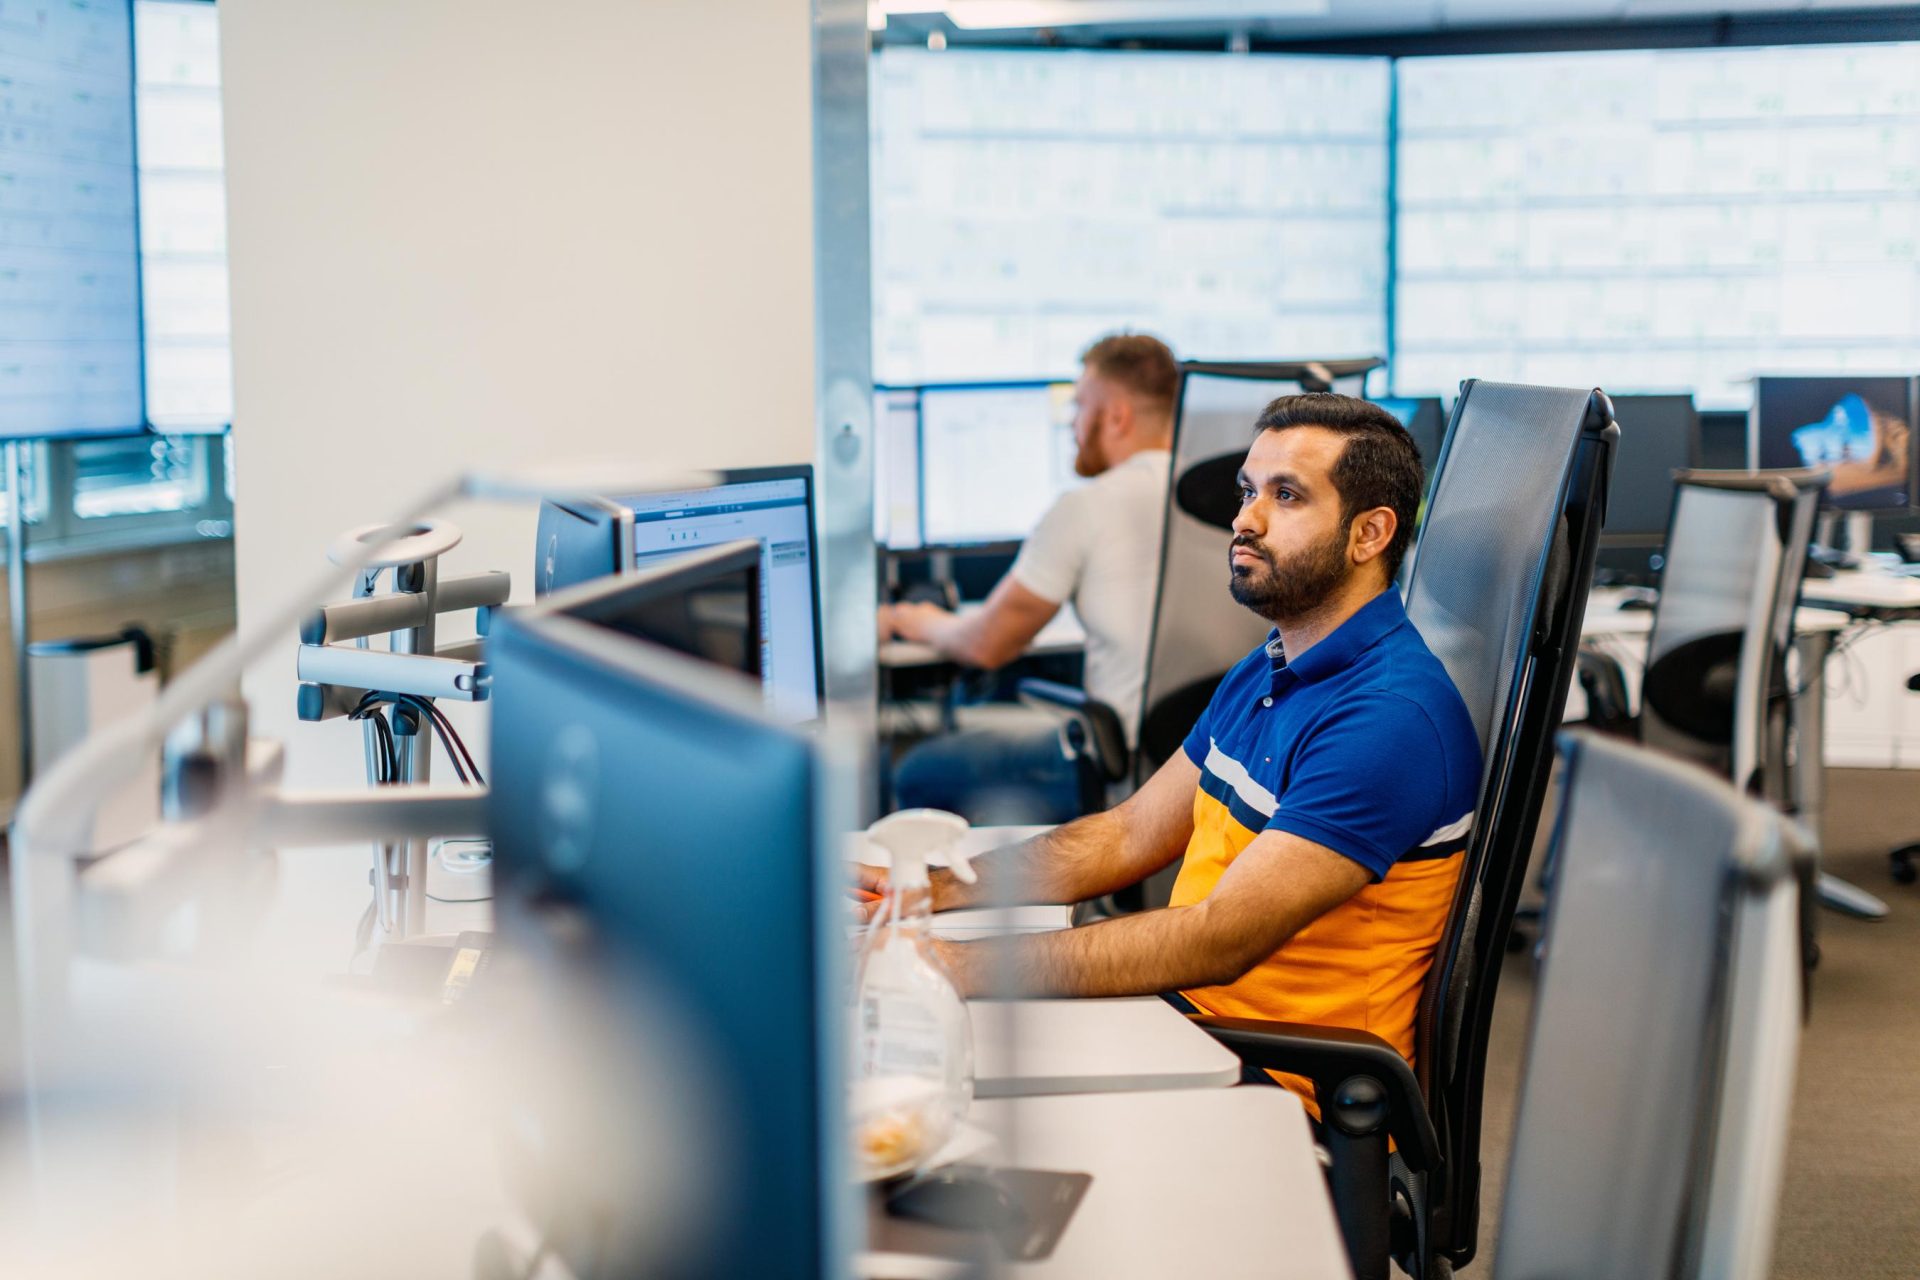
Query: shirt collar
1339	650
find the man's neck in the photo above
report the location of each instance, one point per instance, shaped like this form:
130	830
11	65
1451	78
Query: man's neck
1120	453
1301	633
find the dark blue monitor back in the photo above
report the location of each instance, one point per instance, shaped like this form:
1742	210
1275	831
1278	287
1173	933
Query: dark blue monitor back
646	803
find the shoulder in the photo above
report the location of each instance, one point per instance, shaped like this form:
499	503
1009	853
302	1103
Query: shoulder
1408	712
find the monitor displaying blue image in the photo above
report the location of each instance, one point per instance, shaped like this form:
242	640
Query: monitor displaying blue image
1860	428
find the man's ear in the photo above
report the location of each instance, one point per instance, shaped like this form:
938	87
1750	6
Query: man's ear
1372	533
1117	415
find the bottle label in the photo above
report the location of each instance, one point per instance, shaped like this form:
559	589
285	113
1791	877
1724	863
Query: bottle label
900	1036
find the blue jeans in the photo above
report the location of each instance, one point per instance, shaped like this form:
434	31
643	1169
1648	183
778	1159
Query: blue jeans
991	777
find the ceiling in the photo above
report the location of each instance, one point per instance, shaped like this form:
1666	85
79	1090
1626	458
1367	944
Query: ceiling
1178	21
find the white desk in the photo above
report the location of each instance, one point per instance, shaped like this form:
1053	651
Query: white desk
1142	1044
1868	591
1062	634
1217	1183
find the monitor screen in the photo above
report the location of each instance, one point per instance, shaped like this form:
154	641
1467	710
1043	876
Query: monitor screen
1674	220
1861	427
705	604
69	242
992	460
660	857
1424	420
896	469
775	507
1026	201
1658	436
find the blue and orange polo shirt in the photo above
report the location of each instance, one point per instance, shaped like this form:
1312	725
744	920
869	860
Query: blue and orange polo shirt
1362	746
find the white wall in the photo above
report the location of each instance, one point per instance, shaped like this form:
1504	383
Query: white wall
480	234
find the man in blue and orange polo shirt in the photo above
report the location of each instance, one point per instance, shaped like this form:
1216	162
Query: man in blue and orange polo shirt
1321	803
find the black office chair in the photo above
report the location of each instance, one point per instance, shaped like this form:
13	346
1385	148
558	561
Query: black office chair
1091	733
1652	1124
1497	588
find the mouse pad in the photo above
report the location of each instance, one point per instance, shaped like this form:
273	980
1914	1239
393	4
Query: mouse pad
1045	1198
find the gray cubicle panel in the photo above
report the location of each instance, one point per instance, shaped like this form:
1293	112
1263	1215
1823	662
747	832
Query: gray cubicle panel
1652	1125
1198	630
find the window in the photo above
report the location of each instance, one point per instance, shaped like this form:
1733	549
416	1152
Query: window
136	475
183	218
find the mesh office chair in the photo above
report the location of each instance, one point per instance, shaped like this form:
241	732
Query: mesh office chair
1198	632
1653	1110
1497	588
1715	689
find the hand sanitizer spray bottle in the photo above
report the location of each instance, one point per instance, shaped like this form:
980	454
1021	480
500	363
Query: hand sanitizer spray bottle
913	1051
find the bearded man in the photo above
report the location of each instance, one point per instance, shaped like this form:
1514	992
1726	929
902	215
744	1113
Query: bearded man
1323	800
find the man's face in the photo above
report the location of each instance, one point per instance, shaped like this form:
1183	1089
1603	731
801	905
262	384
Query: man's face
1091	396
1290	547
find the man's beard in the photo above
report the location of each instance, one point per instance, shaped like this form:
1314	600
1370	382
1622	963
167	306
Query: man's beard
1282	590
1091	459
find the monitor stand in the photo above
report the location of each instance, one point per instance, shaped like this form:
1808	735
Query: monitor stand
1858	544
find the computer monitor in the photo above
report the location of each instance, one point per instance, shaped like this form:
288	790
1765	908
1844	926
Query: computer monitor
1659	435
667	853
992	460
582	540
706	604
1863	427
1424	420
896	468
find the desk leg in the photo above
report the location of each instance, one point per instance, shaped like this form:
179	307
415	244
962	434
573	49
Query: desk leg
1808	782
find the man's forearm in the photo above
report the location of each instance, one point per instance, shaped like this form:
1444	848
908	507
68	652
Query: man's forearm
1136	955
1079	860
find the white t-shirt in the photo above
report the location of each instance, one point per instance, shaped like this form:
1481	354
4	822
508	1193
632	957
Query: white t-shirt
1098	547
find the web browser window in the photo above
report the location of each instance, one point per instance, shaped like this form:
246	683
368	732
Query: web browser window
778	515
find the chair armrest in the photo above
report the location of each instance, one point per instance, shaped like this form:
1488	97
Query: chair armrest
1105	738
1328	1056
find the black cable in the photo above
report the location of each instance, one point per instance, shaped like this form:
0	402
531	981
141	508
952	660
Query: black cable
447	722
386	760
429	711
450	738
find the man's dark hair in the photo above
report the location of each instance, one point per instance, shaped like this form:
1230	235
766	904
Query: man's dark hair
1379	467
1139	362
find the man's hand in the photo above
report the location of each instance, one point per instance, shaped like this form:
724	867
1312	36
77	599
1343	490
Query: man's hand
917	620
868	890
870	885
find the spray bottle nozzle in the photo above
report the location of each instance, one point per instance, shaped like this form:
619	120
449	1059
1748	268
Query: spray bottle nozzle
912	836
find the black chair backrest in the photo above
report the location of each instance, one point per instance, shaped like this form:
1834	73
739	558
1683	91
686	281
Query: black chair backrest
1497	589
1714	690
1198	631
1653	1114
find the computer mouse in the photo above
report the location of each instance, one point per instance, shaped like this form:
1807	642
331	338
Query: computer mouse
1635	604
1818	569
968	1201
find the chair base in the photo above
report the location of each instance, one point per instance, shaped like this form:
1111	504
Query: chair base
1850	899
1904	872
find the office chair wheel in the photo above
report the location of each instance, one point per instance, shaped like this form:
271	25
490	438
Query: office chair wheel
1904	872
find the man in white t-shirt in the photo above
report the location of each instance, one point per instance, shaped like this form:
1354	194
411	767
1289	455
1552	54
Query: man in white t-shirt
1097	547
